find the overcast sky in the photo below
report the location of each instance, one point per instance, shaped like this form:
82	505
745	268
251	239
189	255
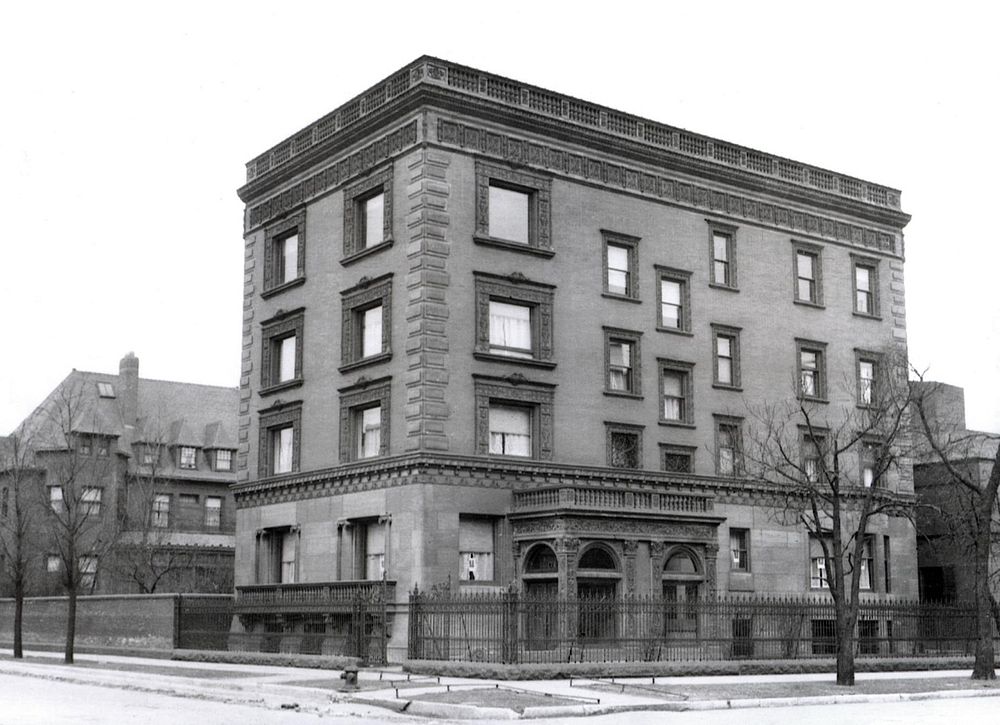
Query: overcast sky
125	131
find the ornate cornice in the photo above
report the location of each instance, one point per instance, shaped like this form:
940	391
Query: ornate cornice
405	88
635	180
491	472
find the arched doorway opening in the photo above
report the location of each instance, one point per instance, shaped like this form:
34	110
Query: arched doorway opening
541	587
683	585
597	581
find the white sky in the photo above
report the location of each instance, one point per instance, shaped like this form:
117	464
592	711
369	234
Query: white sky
124	132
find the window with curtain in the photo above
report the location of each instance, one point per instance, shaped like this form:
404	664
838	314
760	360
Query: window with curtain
282	441
510	329
371	331
475	549
510	431
369	433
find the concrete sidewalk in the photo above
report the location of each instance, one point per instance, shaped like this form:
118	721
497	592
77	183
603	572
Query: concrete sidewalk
316	691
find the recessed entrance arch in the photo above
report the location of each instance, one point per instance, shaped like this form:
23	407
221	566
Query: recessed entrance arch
597	588
683	584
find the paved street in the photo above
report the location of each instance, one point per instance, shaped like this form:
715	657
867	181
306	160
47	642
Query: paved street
36	701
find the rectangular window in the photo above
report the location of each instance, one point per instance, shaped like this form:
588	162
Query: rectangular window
739	546
373	220
364	420
513	209
289	554
510	330
513	319
223	460
676	392
510	430
91	500
369	549
624	444
370	333
867	566
621	260
87	566
188	457
56	498
677	459
103	447
674	300
865	286
619	274
284	254
161	510
105	390
727	356
475	549
867	366
213	512
818	573
812	458
84	445
368	215
722	255
279	438
53	564
728	445
824	636
808	274
286	258
369	432
621	360
886	564
282	444
366	323
870	453
509	214
277	553
811	359
281	350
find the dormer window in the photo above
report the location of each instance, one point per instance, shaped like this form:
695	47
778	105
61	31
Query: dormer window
106	390
188	457
223	460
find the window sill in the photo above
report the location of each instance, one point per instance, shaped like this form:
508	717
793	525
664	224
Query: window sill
723	386
365	361
621	298
530	362
623	394
674	331
287	385
811	399
514	246
367	251
866	316
723	287
284	287
807	303
676	424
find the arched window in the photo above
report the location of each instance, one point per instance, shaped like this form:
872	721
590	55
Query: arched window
541	560
597	557
683	580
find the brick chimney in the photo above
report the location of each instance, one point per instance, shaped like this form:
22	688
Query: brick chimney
128	390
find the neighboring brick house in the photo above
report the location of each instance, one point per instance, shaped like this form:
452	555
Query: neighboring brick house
156	460
944	549
495	334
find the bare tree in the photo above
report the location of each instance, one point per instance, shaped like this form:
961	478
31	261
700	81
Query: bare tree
830	471
971	510
19	480
144	555
80	524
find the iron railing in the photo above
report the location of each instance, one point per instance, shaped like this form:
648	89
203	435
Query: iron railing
509	627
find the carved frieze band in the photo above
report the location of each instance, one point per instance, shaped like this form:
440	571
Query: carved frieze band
347	168
520	151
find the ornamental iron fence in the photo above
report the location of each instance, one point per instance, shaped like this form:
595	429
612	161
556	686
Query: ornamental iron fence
510	627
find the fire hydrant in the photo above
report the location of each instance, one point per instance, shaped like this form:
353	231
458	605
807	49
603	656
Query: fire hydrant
350	678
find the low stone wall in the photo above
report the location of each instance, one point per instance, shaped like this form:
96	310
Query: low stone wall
140	622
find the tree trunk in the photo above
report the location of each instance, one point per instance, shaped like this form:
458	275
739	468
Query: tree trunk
18	618
70	626
983	667
845	648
